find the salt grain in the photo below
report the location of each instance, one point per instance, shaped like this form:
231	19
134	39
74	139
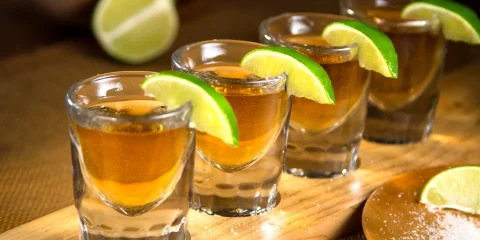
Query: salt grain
459	227
446	225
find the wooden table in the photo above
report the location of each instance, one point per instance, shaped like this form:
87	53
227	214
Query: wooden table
35	168
329	208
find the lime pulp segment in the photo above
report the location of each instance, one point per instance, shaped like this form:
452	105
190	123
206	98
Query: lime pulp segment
135	31
306	78
376	50
456	188
460	23
211	111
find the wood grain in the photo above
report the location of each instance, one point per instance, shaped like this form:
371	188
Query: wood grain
330	208
393	211
35	165
35	168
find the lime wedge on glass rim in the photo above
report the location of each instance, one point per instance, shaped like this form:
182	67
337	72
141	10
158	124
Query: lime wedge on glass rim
376	50
211	112
459	22
306	78
455	188
135	31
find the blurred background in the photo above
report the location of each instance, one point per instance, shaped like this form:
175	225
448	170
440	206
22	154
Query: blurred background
29	24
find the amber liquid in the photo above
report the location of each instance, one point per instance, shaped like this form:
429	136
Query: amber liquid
402	110
349	84
259	115
131	164
419	53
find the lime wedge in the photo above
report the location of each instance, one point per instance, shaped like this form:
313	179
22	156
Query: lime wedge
460	23
211	111
456	188
306	78
135	31
376	50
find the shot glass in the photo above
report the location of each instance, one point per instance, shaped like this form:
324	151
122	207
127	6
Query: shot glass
243	180
402	110
323	140
132	160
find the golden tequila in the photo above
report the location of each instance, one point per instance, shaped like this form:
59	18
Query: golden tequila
259	116
132	160
324	138
131	164
418	57
349	82
243	180
402	110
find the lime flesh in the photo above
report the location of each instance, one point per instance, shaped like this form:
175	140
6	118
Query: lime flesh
455	188
376	50
459	22
135	31
306	78
211	113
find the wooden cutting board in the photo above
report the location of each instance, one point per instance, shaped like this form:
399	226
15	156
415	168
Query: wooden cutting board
329	208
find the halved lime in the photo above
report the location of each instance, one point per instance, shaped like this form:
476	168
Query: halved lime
460	23
376	50
135	31
306	78
456	188
211	111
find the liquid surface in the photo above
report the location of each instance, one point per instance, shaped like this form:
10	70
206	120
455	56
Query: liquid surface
385	14
131	164
260	116
309	39
349	82
420	57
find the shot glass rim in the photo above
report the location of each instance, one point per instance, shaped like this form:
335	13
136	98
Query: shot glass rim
261	83
72	100
324	49
399	23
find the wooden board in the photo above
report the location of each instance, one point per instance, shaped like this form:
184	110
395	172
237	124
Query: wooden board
35	165
329	208
393	211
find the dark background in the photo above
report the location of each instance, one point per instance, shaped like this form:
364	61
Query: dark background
28	24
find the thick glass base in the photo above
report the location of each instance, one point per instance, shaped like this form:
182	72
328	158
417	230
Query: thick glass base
247	192
408	125
322	161
233	207
99	221
397	137
181	235
327	154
